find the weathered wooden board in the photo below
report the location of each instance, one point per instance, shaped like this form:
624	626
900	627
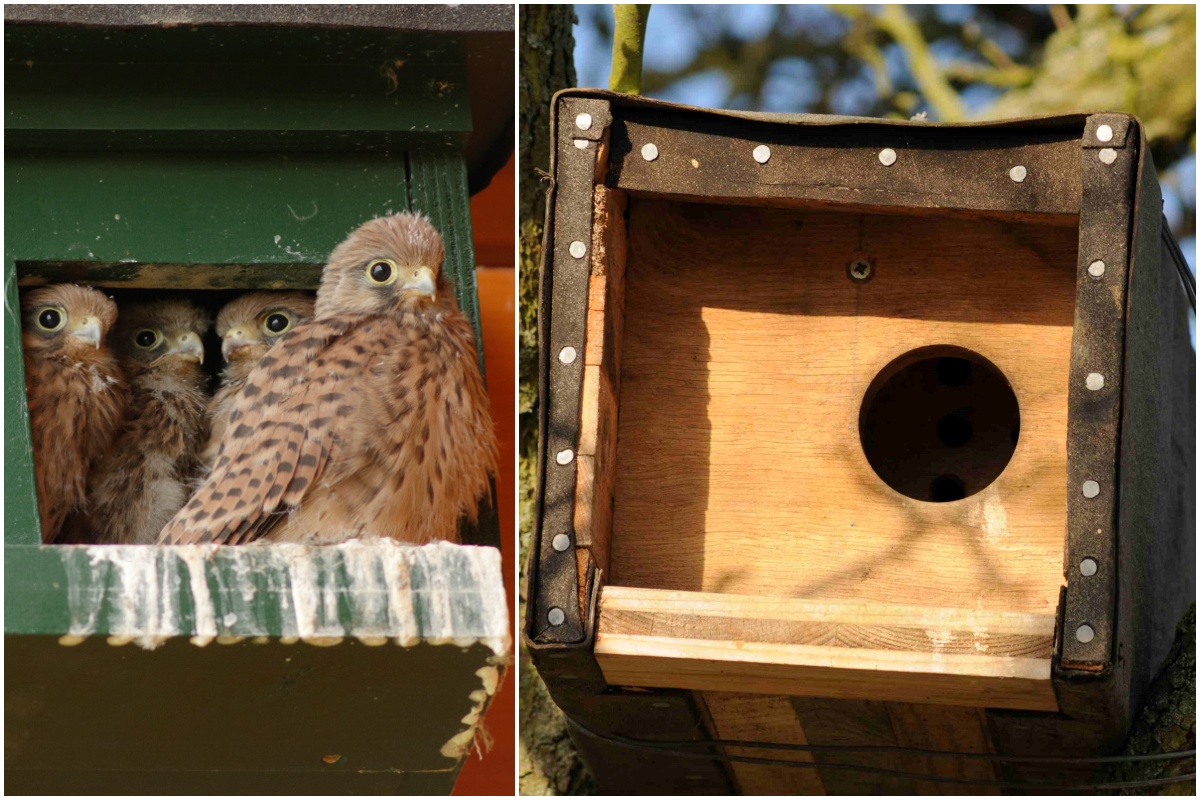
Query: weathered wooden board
762	718
720	642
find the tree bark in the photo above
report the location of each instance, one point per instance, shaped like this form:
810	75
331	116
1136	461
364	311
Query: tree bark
549	764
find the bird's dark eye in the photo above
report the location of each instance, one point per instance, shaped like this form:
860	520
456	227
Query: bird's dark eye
51	319
382	271
146	338
277	323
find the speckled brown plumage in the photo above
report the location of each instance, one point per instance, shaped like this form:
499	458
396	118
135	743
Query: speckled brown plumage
245	328
369	420
77	395
147	474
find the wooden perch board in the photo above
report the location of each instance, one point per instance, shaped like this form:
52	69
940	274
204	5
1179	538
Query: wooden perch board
850	650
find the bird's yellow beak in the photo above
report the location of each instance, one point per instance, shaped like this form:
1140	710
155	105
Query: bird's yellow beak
235	339
187	345
421	282
88	329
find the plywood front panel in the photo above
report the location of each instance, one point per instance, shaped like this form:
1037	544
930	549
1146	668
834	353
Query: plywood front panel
747	353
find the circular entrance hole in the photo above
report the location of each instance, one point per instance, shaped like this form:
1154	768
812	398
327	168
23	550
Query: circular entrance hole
939	423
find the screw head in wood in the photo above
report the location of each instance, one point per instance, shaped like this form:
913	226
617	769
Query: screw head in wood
1104	133
1018	173
567	355
578	249
762	154
560	542
1108	155
1096	269
556	616
859	270
650	151
584	122
887	156
564	457
1084	633
1090	489
1095	381
1088	567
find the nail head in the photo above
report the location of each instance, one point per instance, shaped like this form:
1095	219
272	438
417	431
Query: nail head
1090	489
561	542
650	151
556	616
1018	173
1085	634
1096	269
1095	381
1108	155
584	122
887	156
1104	133
582	144
567	355
1088	567
578	249
762	154
565	456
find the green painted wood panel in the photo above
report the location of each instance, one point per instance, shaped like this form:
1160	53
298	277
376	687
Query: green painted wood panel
228	88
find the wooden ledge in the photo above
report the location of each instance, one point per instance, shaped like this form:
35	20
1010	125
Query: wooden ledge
854	650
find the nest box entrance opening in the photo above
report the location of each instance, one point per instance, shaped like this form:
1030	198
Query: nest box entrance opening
939	423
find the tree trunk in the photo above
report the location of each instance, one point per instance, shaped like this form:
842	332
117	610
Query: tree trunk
549	764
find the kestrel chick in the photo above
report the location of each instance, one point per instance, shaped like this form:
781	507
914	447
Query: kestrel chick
248	327
370	419
77	396
145	477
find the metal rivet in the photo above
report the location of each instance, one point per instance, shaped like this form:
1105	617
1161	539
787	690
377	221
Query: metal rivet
1108	155
1096	269
564	456
1088	567
578	249
567	355
1095	381
762	154
561	542
556	616
660	704
582	144
1104	133
1018	173
1090	489
650	151
1084	633
887	156
584	122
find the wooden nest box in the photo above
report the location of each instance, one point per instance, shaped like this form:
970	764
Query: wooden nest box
856	417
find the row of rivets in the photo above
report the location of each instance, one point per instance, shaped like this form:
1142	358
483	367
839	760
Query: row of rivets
1094	381
567	355
887	157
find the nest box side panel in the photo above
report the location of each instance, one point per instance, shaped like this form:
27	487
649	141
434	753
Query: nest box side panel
748	352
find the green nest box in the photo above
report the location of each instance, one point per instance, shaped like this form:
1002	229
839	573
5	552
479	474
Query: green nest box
211	151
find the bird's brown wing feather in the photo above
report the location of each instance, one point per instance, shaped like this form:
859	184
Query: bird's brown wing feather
281	434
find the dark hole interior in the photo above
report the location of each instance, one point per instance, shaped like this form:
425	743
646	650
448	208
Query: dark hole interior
939	424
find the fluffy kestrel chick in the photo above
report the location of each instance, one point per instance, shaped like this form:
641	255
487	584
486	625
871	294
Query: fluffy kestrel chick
248	327
145	477
370	419
77	396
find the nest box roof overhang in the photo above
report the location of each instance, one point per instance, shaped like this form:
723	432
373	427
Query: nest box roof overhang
486	32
